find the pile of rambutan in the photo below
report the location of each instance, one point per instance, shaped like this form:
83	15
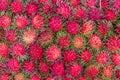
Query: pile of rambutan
59	39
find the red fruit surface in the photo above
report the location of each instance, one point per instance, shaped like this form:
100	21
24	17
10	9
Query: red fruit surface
43	67
116	59
75	2
110	15
35	77
118	74
5	76
3	5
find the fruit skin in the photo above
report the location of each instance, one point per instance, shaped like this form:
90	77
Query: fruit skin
104	4
10	35
3	5
5	76
112	43
90	3
95	41
87	27
110	15
36	51
17	7
72	27
19	76
92	71
94	14
29	66
43	67
13	65
75	69
37	21
32	8
18	49
86	56
34	77
102	57
4	50
46	36
78	42
70	56
82	78
29	36
64	10
64	41
66	78
21	22
42	1
5	21
116	59
55	24
107	71
118	74
58	68
53	53
74	2
117	4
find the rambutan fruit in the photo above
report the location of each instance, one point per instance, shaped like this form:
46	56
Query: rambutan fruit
82	78
5	76
19	76
90	3
43	67
116	4
3	5
74	2
110	15
34	77
116	59
118	74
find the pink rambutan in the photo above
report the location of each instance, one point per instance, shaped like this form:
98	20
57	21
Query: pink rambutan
10	35
75	69
17	7
117	4
47	8
38	21
95	41
82	78
29	66
58	68
104	3
86	55
72	27
74	2
70	56
116	59
110	15
53	53
43	67
55	24
35	77
118	74
3	5
90	3
18	49
5	76
13	65
66	78
21	22
5	21
4	50
35	51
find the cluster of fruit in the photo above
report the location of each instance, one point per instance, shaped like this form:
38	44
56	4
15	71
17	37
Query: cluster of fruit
59	39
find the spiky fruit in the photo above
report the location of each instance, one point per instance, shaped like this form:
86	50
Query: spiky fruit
110	15
13	65
75	69
87	27
92	71
64	10
43	67
57	2
3	5
46	36
17	7
19	76
82	78
5	76
117	4
55	24
34	77
118	74
116	59
90	3
21	22
32	8
53	53
37	21
104	3
103	28
107	71
4	50
47	8
64	41
29	36
18	49
86	56
5	21
78	42
94	14
50	78
70	56
95	41
72	27
10	35
102	57
112	43
35	51
79	13
75	2
58	68
66	78
29	66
